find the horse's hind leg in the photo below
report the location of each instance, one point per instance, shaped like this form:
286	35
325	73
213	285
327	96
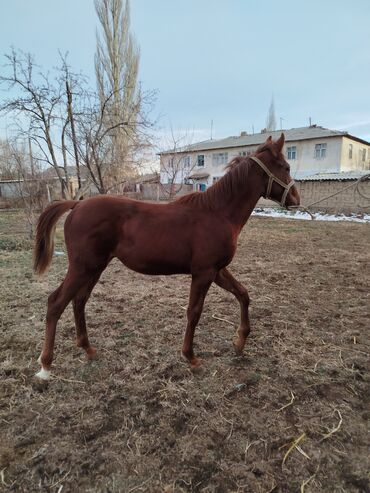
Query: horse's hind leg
57	303
79	303
225	280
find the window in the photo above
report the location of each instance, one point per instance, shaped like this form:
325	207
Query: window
200	160
363	155
215	178
171	161
201	187
186	160
292	152
350	151
243	154
320	151
219	158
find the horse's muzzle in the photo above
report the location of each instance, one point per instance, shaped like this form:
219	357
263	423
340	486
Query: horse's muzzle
293	198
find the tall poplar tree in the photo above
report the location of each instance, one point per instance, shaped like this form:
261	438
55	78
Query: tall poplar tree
117	65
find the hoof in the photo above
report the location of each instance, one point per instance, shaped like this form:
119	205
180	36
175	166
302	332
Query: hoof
197	367
238	350
192	361
43	374
198	370
91	353
196	363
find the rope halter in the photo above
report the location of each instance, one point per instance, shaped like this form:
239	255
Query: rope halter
272	179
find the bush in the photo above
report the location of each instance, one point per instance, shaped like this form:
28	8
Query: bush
10	244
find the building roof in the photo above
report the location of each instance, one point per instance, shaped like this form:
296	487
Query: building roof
291	135
50	173
199	176
148	178
343	176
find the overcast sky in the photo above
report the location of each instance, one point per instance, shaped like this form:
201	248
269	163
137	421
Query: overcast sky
222	60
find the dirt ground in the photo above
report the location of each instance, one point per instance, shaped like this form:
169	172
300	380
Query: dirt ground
291	415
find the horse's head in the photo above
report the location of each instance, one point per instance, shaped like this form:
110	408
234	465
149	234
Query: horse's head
280	186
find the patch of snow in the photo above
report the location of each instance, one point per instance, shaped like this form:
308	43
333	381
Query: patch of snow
318	216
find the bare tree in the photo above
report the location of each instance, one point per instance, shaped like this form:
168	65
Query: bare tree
117	65
271	118
66	123
94	142
70	127
38	105
176	164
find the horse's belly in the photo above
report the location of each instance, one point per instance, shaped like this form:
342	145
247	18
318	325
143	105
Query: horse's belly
155	259
155	266
158	269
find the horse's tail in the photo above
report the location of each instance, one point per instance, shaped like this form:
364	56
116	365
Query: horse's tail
44	243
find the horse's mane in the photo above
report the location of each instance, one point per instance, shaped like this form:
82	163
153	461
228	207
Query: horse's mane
227	186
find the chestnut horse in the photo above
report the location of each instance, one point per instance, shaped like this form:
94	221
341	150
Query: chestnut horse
196	234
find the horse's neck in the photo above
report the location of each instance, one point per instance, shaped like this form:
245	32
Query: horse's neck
242	207
239	205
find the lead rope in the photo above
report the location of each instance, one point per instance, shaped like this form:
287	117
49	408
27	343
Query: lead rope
357	189
288	186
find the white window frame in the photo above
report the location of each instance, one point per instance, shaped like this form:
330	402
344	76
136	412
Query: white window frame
220	158
292	153
198	160
320	150
186	161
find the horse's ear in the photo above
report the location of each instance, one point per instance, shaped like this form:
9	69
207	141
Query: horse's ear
269	140
280	142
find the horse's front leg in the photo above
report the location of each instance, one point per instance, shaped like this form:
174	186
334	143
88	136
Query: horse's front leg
225	280
199	287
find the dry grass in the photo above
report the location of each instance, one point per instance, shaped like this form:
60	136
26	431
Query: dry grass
290	415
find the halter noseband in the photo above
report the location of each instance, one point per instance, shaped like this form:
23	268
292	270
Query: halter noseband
273	178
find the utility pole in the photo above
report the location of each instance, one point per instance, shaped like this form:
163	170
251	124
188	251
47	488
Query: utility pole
31	158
